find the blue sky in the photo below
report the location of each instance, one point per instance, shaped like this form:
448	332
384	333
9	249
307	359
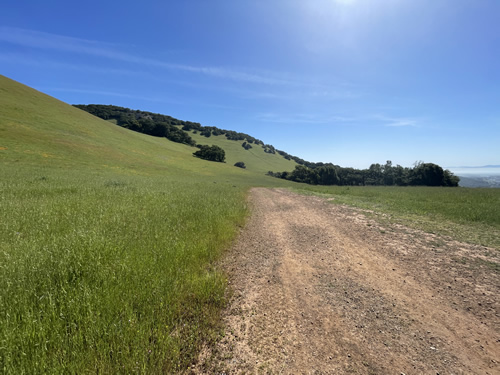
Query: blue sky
353	82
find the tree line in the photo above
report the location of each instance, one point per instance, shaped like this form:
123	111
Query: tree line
422	174
143	122
164	126
312	173
231	135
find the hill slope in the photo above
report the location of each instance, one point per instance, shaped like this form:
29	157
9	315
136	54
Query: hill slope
40	130
108	241
255	158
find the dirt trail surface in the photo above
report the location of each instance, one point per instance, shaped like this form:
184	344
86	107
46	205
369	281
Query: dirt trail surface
323	289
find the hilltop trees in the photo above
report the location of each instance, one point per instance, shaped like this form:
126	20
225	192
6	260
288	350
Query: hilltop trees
158	125
450	179
269	149
177	130
427	174
246	146
142	122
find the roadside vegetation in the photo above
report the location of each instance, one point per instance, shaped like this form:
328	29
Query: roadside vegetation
466	214
110	274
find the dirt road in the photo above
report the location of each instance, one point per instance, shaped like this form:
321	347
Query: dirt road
322	289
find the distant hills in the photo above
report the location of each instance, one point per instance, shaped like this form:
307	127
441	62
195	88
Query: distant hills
478	176
475	167
486	182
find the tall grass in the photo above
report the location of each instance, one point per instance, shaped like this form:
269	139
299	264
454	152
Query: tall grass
471	215
108	240
110	274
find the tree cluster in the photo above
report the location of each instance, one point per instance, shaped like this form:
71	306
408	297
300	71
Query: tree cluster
143	122
212	153
299	160
422	174
312	173
269	149
246	146
175	129
231	135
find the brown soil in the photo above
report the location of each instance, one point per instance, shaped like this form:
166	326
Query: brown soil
322	289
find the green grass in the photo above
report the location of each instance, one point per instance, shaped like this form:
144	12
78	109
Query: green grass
470	215
110	275
108	242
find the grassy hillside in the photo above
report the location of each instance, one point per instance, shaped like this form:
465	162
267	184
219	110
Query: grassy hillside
108	241
40	130
255	159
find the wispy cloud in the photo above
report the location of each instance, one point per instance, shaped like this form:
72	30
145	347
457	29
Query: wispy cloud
18	59
111	93
396	121
157	99
306	92
42	40
47	41
303	118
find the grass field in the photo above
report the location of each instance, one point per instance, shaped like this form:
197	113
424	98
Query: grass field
471	215
109	239
110	275
108	242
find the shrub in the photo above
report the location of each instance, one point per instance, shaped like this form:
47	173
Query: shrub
213	153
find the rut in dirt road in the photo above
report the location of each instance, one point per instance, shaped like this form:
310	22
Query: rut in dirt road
322	289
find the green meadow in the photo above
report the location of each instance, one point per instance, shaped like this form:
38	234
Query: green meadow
470	215
109	239
110	274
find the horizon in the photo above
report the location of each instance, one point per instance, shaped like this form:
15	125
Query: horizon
334	81
475	171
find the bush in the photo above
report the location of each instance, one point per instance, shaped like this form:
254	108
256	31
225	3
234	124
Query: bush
246	146
240	164
213	153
